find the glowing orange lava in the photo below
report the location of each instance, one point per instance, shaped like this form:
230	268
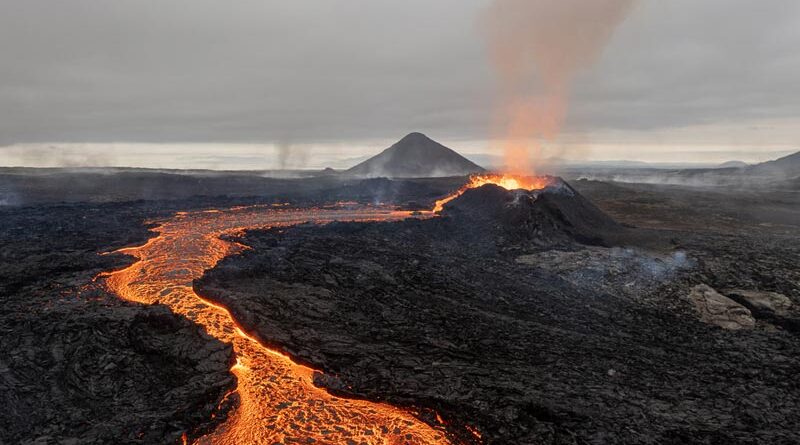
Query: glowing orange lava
278	401
508	182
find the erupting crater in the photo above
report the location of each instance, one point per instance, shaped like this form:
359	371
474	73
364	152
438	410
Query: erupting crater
535	211
506	181
278	402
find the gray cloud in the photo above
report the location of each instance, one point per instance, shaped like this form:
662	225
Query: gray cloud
348	70
682	62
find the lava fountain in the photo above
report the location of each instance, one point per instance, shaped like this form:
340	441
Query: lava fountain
507	181
278	401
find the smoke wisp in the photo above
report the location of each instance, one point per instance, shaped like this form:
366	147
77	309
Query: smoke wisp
536	47
292	156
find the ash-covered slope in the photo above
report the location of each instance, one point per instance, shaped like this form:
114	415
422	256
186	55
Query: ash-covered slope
555	214
416	156
787	166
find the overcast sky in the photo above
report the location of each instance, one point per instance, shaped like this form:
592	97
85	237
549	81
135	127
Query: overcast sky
263	83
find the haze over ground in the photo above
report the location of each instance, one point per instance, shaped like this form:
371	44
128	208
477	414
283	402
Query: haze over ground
201	84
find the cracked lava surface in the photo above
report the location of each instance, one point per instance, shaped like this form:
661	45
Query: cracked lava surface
278	401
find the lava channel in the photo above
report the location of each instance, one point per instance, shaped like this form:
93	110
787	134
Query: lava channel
278	401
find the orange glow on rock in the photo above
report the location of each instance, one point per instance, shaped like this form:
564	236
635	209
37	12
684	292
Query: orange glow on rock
507	181
278	400
474	431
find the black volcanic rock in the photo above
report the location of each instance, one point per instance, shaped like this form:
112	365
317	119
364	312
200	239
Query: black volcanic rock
77	364
531	344
117	373
416	156
555	214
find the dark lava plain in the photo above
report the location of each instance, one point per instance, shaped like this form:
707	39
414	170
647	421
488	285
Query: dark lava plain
529	338
504	321
77	364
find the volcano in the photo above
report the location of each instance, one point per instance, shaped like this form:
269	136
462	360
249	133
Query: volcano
553	214
415	156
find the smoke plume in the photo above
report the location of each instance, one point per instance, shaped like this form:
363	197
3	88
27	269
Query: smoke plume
292	156
536	48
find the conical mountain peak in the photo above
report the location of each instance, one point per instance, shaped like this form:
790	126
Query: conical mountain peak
416	156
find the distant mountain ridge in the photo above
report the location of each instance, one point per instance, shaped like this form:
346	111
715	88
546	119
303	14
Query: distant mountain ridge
780	173
787	165
415	156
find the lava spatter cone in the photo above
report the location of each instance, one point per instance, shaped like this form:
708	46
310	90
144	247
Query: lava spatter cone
553	214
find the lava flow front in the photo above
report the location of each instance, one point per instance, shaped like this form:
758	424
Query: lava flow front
508	182
278	401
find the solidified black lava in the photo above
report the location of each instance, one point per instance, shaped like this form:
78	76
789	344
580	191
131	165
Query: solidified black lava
100	374
78	365
523	332
500	316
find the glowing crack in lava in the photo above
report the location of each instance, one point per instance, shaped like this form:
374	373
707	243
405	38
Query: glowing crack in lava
507	181
278	401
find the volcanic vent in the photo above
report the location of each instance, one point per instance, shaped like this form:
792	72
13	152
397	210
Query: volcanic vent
544	210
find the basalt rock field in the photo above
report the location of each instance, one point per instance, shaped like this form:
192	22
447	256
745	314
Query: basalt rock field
530	317
585	312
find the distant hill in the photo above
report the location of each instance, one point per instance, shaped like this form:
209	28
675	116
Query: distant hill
415	156
733	164
780	173
788	166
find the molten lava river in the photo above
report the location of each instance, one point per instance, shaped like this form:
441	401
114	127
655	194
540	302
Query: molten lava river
278	401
